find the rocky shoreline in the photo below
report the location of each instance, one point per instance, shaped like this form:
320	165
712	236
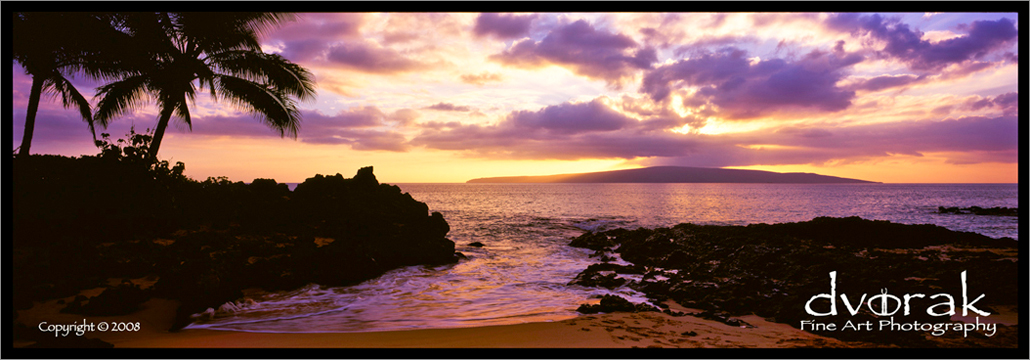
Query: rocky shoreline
103	238
230	237
773	271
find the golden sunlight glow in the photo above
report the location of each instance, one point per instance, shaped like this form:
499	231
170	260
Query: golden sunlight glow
907	169
285	160
617	107
939	35
714	126
677	106
407	63
685	129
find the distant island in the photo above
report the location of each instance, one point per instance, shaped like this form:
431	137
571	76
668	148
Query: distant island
678	174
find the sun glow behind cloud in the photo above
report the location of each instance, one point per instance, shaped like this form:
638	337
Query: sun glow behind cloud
445	97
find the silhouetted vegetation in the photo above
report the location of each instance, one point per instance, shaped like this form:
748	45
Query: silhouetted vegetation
79	222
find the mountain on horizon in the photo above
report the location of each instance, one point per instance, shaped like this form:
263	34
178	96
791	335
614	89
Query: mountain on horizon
678	174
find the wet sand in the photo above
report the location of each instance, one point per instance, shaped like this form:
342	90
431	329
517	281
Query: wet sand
617	330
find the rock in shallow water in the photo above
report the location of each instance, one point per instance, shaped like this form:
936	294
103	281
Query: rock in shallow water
772	270
613	303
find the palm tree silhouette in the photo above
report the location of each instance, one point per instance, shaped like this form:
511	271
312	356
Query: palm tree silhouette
178	52
52	46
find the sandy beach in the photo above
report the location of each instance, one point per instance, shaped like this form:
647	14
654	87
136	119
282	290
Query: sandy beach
616	330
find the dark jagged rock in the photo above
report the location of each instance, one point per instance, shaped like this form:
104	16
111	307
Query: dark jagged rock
81	221
593	241
75	306
476	244
976	210
773	270
365	179
593	279
673	313
605	275
123	299
614	303
723	317
621	269
374	228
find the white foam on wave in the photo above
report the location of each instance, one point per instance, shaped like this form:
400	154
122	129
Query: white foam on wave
241	321
598	225
514	279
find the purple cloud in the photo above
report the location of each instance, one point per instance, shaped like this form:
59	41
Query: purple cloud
1008	103
313	123
353	127
743	88
887	82
368	57
308	39
571	118
962	134
500	142
404	117
804	132
551	122
594	131
583	49
306	50
707	42
967	140
664	33
53	124
565	131
448	107
503	26
1011	57
908	45
364	140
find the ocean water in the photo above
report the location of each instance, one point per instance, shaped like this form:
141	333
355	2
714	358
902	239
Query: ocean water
521	275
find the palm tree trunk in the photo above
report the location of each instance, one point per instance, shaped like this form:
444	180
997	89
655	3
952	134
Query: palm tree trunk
30	116
159	133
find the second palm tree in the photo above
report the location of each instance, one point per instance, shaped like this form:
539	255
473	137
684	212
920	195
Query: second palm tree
175	54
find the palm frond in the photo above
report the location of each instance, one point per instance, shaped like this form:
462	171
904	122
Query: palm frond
275	108
70	97
121	97
182	111
211	32
271	69
78	42
264	22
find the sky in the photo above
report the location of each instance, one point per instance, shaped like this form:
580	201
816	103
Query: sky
448	97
